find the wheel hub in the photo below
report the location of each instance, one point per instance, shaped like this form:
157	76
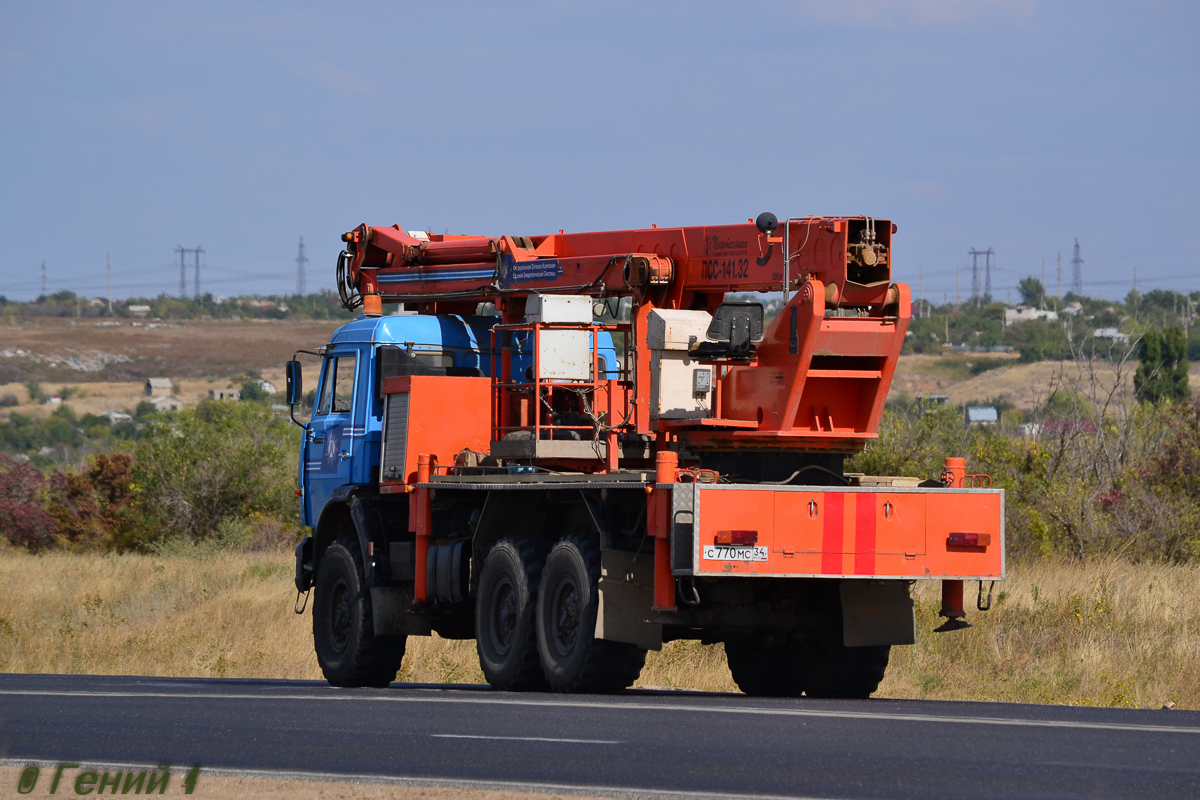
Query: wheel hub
504	616
566	616
339	623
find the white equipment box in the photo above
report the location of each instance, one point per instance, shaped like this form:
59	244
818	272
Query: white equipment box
563	355
559	308
674	387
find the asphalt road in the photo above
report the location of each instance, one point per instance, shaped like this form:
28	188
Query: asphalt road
633	743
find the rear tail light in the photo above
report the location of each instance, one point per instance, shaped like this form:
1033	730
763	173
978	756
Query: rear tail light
737	537
969	539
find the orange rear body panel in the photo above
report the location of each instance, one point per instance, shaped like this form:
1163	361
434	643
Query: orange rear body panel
846	532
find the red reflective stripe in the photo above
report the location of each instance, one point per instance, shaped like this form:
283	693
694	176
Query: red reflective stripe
864	535
831	540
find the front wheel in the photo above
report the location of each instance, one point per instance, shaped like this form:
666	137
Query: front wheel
573	660
348	651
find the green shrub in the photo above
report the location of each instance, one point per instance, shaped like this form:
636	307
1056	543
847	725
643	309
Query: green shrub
253	392
1163	371
218	462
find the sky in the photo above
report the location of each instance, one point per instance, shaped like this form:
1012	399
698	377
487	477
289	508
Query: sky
128	129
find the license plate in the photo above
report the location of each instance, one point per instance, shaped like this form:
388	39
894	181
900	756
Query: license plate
729	552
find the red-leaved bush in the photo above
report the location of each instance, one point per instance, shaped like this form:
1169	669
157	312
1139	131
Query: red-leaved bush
1178	466
91	507
23	520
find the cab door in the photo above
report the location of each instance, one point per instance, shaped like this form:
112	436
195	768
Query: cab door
330	451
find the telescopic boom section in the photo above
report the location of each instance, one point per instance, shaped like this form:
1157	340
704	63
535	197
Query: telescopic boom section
670	267
816	381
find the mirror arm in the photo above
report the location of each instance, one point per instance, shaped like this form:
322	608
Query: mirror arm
291	406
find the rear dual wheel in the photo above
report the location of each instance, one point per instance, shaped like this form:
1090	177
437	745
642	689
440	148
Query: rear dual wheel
763	669
818	669
572	659
505	631
833	670
536	620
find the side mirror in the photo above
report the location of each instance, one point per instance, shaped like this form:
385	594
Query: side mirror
295	383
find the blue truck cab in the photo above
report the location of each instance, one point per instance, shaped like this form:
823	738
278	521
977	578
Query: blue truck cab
340	450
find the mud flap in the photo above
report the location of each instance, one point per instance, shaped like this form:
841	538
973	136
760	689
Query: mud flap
877	613
626	594
389	613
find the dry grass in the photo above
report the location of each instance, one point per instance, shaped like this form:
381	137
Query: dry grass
185	350
1100	633
196	355
1025	385
99	397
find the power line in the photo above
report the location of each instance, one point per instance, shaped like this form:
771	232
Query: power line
196	252
182	270
921	285
1077	271
975	254
301	265
234	276
196	275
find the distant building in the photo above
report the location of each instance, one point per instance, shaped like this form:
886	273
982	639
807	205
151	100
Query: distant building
1112	334
141	312
117	416
981	415
267	387
1026	313
224	394
167	404
1072	308
1030	430
159	387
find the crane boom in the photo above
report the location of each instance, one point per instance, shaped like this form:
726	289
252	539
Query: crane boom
672	267
820	376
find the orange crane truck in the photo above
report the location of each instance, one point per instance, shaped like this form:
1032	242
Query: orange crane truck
573	448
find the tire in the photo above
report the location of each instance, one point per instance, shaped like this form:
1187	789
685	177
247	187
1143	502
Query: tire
505	635
763	670
348	651
835	671
573	660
